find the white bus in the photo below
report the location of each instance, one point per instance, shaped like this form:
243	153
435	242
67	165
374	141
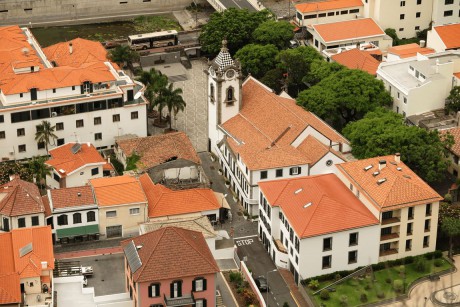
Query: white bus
153	40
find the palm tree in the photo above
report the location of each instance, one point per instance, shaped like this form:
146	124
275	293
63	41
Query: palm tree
172	99
154	82
122	55
39	169
44	134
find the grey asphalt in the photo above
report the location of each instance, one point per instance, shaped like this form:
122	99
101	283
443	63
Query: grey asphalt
88	245
225	292
238	4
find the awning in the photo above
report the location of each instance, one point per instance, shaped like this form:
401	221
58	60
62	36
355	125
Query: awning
77	231
222	200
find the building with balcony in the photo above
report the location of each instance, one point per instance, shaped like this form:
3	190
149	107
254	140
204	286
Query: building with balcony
442	38
316	12
20	205
72	85
405	205
421	84
258	135
27	267
170	267
315	225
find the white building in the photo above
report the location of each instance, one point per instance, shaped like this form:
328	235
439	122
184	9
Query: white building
420	84
315	225
407	51
327	11
71	85
445	12
258	135
446	37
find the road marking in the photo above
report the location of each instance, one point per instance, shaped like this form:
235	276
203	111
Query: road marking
245	237
244	242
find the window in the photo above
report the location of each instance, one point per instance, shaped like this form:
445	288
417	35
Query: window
22	148
134	115
353	239
409	229
354	11
211	93
62	219
59	126
419	2
263	175
199	284
352	257
427	225
447	2
35	221
176	289
77	218
296	244
295	171
405	100
417	15
94	171
154	290
309	16
230	94
387	215
401	16
408	245
402	3
385	231
428	210
134	211
417	28
21	222
60	142
97	121
21	132
327	244
41	145
279	172
400	30
2	134
410	213
79	123
116	117
90	216
351	187
327	262
98	136
426	241
448	13
200	303
110	214
330	14
344	12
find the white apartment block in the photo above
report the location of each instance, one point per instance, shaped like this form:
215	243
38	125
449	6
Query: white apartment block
71	85
328	11
446	12
421	84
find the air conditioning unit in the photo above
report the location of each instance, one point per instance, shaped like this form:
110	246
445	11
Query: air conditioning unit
53	114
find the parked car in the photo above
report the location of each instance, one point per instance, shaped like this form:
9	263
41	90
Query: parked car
87	270
262	284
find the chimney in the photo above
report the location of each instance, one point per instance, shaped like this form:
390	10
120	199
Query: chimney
70	48
14	176
382	164
397	157
44	265
422	43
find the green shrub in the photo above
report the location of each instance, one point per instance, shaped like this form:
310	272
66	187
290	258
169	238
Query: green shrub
380	294
388	280
343	300
363	298
398	285
402	269
324	295
285	304
337	277
438	262
433	255
420	264
367	286
119	168
313	284
236	277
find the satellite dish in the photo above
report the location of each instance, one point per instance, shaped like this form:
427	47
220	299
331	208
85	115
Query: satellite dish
138	95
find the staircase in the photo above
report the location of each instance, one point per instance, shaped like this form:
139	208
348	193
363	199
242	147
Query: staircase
219	300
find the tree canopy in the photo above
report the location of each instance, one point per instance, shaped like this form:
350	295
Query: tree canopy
257	59
234	25
383	132
344	96
123	54
320	69
274	32
453	101
12	168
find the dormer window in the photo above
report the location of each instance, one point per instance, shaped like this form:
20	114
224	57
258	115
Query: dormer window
86	87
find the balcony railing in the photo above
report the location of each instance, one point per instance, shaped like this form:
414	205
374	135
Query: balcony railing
389	236
391	220
387	252
179	301
280	247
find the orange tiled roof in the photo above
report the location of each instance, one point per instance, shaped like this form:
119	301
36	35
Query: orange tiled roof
172	252
10	290
62	158
325	5
263	117
16	52
449	34
347	30
72	197
158	149
119	190
455	132
357	59
457	75
328	198
401	188
46	204
409	50
19	197
165	202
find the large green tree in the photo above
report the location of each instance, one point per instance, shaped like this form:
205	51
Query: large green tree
257	59
234	25
274	32
274	79
154	82
453	100
123	55
45	133
383	132
15	168
451	227
39	169
344	96
171	98
320	69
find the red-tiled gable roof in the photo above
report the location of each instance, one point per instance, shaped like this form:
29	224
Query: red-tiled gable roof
409	50
449	34
165	202
72	197
357	59
170	253
62	158
455	132
19	197
83	51
307	202
158	149
401	188
325	5
119	190
10	290
46	204
347	30
263	118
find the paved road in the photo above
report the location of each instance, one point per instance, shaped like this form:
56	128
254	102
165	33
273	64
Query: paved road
238	4
89	253
260	263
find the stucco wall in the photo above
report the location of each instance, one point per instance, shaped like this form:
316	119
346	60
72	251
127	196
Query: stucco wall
130	223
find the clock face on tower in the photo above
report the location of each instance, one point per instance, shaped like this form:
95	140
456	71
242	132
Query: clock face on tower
230	74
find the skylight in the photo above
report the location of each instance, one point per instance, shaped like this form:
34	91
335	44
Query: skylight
375	173
380	181
399	169
307	205
298	191
368	167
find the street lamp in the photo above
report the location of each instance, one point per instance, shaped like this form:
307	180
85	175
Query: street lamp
268	288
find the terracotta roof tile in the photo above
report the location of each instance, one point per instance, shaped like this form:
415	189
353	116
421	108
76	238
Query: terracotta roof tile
72	197
19	197
309	201
449	34
10	290
324	5
358	59
347	30
170	253
158	149
46	203
165	202
455	132
119	190
196	223
263	118
409	50
62	158
401	188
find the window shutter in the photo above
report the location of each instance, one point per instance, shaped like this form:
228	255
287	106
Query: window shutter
290	171
179	289
172	290
150	291
193	286
204	303
299	170
82	88
157	290
204	284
